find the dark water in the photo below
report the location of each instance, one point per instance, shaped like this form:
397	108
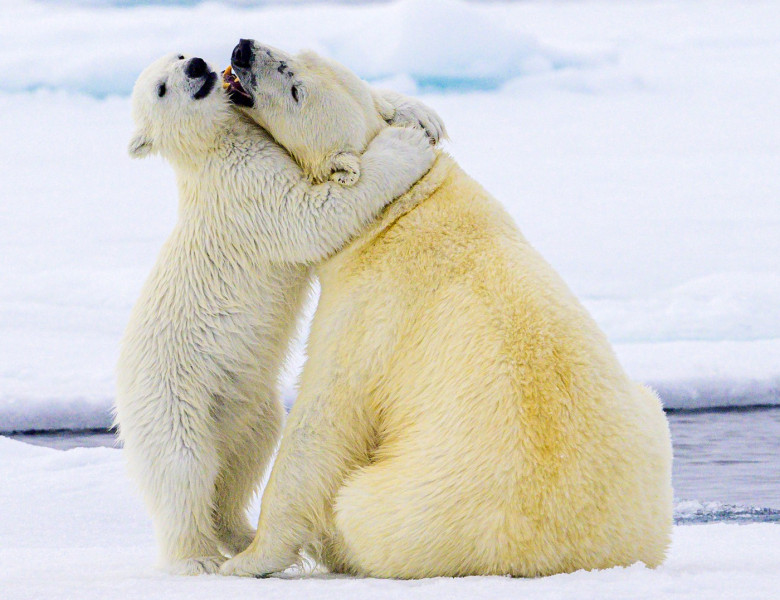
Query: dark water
66	440
725	457
731	456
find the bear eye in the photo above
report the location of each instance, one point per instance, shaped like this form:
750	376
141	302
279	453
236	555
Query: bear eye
181	57
294	92
161	90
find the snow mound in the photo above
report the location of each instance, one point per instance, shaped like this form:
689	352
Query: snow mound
442	44
718	306
696	374
41	414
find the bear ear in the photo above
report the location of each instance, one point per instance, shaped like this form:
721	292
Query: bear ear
345	168
140	145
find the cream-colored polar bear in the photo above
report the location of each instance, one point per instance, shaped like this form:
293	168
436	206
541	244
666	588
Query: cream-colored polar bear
197	404
460	412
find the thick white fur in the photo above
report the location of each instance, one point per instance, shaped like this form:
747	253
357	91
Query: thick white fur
460	412
197	405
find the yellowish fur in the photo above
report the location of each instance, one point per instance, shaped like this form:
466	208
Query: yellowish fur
501	433
460	412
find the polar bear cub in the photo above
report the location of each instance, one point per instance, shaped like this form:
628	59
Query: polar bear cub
197	405
460	412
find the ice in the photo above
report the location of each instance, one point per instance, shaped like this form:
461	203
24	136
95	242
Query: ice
693	511
72	525
640	158
446	44
438	43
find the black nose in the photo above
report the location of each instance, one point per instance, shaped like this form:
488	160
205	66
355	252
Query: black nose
197	67
242	54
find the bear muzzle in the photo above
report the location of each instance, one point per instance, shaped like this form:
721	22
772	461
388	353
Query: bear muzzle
196	68
243	55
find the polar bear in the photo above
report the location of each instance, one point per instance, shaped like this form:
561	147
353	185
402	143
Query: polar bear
197	406
460	412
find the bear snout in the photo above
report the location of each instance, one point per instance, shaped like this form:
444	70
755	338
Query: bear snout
243	54
196	68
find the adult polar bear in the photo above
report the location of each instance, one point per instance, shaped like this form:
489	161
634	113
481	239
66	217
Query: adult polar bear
460	412
197	405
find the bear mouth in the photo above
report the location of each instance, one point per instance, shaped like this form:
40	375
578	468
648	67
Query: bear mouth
207	86
236	92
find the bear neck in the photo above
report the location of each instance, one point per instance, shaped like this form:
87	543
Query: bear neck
417	194
188	157
189	152
206	177
442	168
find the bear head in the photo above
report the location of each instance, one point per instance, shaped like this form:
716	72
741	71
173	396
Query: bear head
179	108
320	111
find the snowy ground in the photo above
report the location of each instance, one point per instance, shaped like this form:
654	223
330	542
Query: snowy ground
637	144
72	527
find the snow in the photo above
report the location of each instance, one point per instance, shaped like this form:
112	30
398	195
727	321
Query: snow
378	41
636	144
73	526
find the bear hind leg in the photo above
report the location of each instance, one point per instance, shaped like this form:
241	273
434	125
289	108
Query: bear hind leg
371	533
182	507
248	441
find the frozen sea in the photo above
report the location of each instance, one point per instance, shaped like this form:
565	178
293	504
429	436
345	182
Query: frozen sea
636	144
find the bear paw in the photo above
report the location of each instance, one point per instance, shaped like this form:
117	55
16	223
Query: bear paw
344	178
415	114
250	565
345	168
201	565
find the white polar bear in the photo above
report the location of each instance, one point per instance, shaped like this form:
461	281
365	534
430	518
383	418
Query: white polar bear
197	404
460	412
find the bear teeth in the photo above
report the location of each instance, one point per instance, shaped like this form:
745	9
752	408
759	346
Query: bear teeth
228	76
